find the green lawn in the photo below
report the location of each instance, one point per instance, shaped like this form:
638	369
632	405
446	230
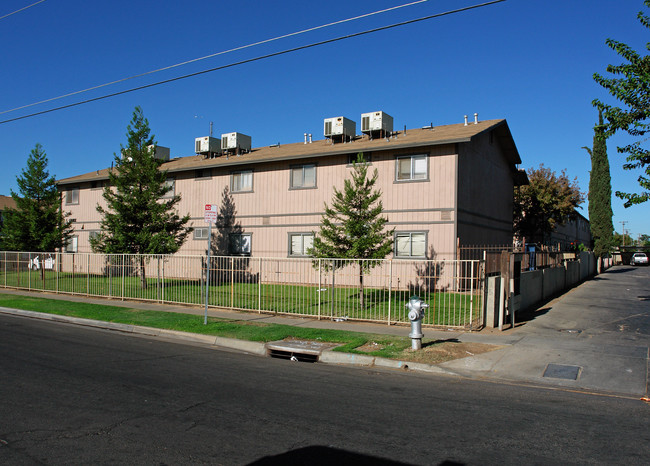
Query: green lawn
446	308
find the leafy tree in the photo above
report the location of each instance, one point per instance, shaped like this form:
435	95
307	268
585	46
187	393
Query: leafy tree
38	223
547	201
141	216
631	86
353	228
644	241
600	192
622	239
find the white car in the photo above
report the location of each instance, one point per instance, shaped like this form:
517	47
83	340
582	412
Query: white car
639	258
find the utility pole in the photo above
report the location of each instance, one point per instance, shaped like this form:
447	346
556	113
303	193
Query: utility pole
623	222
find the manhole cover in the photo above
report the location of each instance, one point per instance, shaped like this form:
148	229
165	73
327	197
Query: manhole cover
560	371
572	331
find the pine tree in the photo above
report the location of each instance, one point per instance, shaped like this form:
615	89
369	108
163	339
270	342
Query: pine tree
38	223
631	87
353	228
600	192
139	218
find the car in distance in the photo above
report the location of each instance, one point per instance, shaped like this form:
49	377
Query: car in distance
639	258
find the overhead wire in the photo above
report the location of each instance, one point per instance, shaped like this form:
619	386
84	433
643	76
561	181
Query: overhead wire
261	57
21	9
212	55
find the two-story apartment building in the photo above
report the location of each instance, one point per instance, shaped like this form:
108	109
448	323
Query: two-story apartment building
441	186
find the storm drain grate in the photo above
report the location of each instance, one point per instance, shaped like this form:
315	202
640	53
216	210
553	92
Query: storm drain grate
561	371
297	350
274	353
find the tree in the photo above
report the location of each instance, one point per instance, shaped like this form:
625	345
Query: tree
631	86
600	192
547	201
353	228
140	217
38	223
622	239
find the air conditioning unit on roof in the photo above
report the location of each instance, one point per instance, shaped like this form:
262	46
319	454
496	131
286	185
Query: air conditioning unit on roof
207	145
340	126
161	153
376	121
235	142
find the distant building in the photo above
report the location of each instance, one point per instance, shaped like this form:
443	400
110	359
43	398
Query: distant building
442	186
572	233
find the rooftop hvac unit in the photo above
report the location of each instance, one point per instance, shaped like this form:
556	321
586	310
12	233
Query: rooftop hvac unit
376	121
340	126
207	145
235	142
161	153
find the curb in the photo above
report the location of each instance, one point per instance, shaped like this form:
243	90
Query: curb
252	347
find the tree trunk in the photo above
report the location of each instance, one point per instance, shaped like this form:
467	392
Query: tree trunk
143	279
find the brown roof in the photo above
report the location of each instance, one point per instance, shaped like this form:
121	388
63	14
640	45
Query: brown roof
7	202
438	135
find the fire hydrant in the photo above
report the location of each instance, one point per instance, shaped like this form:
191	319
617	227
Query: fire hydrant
416	313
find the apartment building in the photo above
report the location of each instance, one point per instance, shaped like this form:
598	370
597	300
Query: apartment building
442	186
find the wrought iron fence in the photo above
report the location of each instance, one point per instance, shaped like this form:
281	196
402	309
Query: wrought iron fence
366	290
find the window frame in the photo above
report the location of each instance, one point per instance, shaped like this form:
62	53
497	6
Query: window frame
240	173
411	178
410	234
231	245
302	235
202	237
303	166
70	196
170	194
72	245
352	158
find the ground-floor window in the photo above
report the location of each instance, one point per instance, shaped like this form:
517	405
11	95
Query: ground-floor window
240	244
410	244
201	233
71	245
300	243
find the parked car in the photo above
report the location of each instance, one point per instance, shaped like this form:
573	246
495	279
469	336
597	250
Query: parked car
639	258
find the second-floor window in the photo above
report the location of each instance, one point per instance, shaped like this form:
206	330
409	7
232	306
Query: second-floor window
72	196
411	168
171	183
241	182
303	176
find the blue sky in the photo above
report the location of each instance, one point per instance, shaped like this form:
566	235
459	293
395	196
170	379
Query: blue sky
528	62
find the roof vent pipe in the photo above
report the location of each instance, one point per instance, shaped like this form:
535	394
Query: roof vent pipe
465	120
309	138
476	118
305	138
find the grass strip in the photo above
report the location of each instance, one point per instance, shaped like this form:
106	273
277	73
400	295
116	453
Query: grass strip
391	346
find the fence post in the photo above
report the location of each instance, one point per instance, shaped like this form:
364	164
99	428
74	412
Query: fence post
320	286
259	288
57	266
162	283
332	293
390	287
123	269
5	269
232	282
158	282
87	274
29	271
471	296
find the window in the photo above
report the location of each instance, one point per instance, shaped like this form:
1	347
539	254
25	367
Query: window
412	168
303	176
300	243
352	158
96	184
240	244
171	183
241	182
93	234
72	196
71	245
410	244
202	173
201	233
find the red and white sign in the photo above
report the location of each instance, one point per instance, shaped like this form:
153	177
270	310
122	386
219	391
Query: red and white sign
210	213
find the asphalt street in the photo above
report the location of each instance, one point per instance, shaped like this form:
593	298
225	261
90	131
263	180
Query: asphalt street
78	395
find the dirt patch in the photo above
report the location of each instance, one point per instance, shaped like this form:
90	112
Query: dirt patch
438	352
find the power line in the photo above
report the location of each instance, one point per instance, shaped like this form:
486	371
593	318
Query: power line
261	57
22	9
187	62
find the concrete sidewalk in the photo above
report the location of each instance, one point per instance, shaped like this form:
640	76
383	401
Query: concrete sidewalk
596	337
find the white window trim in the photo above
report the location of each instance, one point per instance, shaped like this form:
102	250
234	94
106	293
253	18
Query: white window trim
172	192
240	253
70	196
203	235
72	246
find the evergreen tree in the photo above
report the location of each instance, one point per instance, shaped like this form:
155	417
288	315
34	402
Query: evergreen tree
38	223
631	86
353	227
600	192
547	201
140	217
